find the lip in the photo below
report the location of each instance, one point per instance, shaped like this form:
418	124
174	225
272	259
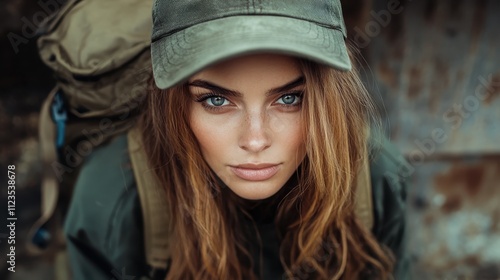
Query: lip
255	172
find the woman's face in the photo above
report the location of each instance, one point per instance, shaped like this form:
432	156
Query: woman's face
245	115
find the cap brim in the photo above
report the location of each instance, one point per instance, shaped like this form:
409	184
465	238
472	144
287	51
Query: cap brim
181	55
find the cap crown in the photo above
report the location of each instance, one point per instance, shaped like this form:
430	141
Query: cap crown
172	16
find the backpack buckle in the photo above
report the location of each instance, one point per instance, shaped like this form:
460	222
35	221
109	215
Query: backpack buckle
60	116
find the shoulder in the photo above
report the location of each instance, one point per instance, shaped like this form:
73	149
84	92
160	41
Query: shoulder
387	162
105	183
389	189
389	186
104	219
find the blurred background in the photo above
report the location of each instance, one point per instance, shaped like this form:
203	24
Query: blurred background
433	67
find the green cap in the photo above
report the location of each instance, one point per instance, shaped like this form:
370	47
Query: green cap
191	35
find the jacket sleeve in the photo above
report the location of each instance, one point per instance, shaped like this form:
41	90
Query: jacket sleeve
389	187
103	226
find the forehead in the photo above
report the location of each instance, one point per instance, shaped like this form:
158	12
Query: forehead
268	70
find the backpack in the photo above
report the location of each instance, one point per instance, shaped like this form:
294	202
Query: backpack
101	63
101	75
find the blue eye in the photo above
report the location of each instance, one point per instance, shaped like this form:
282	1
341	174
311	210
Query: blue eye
217	101
289	99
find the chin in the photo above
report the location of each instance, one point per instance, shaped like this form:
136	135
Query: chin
255	190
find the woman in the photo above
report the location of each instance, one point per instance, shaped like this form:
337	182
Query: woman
257	125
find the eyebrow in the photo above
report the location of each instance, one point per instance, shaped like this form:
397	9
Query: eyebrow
227	92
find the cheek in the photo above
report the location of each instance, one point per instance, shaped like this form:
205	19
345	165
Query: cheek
289	133
297	144
210	134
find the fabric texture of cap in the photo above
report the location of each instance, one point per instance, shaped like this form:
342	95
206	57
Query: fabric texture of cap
191	35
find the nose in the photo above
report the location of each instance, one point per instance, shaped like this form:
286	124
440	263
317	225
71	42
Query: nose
255	133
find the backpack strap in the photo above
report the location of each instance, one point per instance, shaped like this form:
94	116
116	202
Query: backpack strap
363	205
154	206
38	237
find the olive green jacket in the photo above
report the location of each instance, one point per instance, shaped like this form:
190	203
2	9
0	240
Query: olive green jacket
104	226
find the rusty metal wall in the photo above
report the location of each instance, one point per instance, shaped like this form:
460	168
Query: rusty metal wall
434	69
437	68
455	219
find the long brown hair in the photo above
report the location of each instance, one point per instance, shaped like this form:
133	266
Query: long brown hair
320	236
